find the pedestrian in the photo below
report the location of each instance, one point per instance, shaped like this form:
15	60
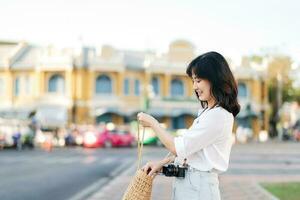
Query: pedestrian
203	150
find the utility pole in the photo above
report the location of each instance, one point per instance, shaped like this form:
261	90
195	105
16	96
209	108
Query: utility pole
279	94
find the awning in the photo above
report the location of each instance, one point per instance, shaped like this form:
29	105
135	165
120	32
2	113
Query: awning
16	113
52	116
113	110
246	113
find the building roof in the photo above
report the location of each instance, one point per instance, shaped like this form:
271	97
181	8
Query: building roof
27	58
7	50
136	60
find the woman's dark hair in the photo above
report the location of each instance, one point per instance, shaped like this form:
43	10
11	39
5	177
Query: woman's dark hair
213	67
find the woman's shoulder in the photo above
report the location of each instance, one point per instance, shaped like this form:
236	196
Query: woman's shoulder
220	113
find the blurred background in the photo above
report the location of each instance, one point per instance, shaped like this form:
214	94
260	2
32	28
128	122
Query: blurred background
74	74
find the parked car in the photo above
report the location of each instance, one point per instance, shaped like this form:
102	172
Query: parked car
74	138
91	139
117	138
108	138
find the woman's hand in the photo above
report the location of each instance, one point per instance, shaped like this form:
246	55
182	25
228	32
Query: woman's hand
146	120
153	167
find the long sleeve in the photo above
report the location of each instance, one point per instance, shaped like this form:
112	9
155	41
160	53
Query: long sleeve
202	134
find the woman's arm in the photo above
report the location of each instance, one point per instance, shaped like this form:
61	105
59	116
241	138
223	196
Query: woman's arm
169	159
166	138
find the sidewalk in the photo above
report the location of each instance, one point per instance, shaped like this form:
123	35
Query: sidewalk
250	164
162	189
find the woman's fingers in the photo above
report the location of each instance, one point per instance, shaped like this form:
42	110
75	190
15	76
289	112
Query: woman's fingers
145	119
146	168
141	116
152	173
152	169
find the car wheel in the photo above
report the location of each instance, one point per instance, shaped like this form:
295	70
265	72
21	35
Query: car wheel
107	144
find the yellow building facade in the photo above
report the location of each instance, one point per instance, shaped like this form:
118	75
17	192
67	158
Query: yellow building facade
108	85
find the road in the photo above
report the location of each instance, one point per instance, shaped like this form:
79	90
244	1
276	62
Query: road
77	173
60	174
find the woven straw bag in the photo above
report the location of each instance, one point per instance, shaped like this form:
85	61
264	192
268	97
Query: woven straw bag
140	187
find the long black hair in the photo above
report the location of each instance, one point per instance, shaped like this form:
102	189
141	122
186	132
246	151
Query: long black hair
213	67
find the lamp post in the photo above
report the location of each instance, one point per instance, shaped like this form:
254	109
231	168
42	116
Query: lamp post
147	97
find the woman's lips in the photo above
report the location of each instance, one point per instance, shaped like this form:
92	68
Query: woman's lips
199	93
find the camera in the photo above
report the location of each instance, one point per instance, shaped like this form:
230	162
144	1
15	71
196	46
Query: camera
174	170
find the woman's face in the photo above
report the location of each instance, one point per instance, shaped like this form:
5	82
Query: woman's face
202	88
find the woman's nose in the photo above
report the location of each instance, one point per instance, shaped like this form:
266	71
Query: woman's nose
194	86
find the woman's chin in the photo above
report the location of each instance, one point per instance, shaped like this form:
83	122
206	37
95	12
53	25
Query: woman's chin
201	99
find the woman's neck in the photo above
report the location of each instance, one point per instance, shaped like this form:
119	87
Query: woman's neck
211	103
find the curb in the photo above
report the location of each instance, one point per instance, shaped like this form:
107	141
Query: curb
110	183
93	188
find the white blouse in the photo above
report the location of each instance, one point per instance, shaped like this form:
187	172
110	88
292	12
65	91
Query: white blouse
207	143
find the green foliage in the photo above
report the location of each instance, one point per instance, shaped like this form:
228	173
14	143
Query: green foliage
278	71
284	191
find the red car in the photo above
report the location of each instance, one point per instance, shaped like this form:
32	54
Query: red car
108	138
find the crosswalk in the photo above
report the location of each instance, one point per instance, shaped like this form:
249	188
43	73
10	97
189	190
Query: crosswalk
265	164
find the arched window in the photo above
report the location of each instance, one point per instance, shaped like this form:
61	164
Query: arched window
242	90
17	87
155	85
177	89
56	84
103	85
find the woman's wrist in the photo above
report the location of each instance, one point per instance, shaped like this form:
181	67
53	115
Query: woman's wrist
167	160
154	124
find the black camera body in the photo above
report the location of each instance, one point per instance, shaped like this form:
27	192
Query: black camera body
174	170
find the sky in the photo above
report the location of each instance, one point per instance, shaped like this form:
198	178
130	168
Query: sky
232	27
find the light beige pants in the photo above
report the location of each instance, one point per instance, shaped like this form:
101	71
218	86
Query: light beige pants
196	185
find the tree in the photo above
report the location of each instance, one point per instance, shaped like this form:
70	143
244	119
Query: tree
280	87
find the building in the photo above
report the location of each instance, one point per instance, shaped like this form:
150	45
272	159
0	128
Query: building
90	85
253	97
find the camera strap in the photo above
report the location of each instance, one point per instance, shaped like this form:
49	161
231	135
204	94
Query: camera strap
185	163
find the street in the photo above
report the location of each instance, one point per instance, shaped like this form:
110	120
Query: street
78	173
60	174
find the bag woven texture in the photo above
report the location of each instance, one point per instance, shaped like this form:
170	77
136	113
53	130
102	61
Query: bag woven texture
140	187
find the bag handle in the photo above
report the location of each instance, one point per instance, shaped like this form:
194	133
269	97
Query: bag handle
140	144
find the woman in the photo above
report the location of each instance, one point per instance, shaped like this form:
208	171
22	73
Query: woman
206	145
